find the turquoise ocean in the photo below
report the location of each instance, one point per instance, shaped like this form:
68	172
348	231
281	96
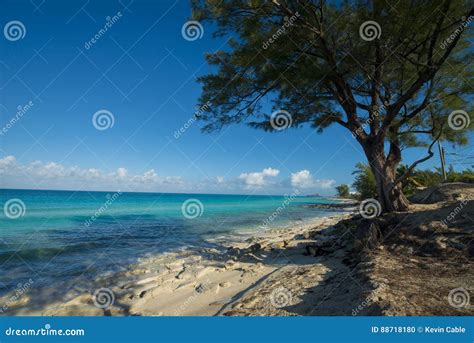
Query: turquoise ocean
53	236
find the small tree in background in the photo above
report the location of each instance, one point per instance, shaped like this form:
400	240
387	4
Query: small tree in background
343	191
391	73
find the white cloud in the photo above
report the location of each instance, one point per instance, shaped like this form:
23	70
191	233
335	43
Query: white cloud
122	173
52	175
258	179
6	163
326	183
304	179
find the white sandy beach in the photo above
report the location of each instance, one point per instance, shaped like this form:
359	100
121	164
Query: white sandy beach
204	283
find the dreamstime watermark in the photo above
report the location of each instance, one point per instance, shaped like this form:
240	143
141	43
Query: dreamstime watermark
459	120
459	297
370	30
192	208
103	120
103	298
192	30
14	208
458	209
21	111
357	132
281	297
196	116
14	30
280	209
288	22
464	24
281	120
199	290
110	200
365	303
370	208
110	21
21	289
46	331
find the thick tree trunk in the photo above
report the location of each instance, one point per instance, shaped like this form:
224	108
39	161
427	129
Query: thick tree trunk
390	197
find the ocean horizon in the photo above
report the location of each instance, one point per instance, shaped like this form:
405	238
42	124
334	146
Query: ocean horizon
53	236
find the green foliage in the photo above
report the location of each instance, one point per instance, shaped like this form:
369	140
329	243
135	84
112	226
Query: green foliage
343	191
314	63
364	182
393	88
466	176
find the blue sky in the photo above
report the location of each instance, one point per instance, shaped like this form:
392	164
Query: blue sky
144	73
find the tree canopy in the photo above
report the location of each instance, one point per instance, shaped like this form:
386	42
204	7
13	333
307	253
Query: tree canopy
396	75
343	191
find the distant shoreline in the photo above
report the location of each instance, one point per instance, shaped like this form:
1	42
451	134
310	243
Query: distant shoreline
172	193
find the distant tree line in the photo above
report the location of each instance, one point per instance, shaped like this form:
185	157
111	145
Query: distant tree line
365	184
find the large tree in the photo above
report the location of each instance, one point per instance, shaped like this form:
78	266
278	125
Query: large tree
389	72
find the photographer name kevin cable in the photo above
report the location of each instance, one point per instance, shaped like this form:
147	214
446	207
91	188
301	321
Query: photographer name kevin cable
419	329
447	329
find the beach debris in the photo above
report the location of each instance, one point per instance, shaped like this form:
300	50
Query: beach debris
230	265
255	247
316	250
185	274
202	287
255	257
184	285
233	251
278	245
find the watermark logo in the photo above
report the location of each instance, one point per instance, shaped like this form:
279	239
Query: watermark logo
197	114
280	297
464	24
288	22
110	200
458	209
14	30
360	130
370	208
21	111
103	298
192	208
109	22
279	209
198	291
370	30
192	30
20	290
103	120
458	297
14	208
281	120
459	120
